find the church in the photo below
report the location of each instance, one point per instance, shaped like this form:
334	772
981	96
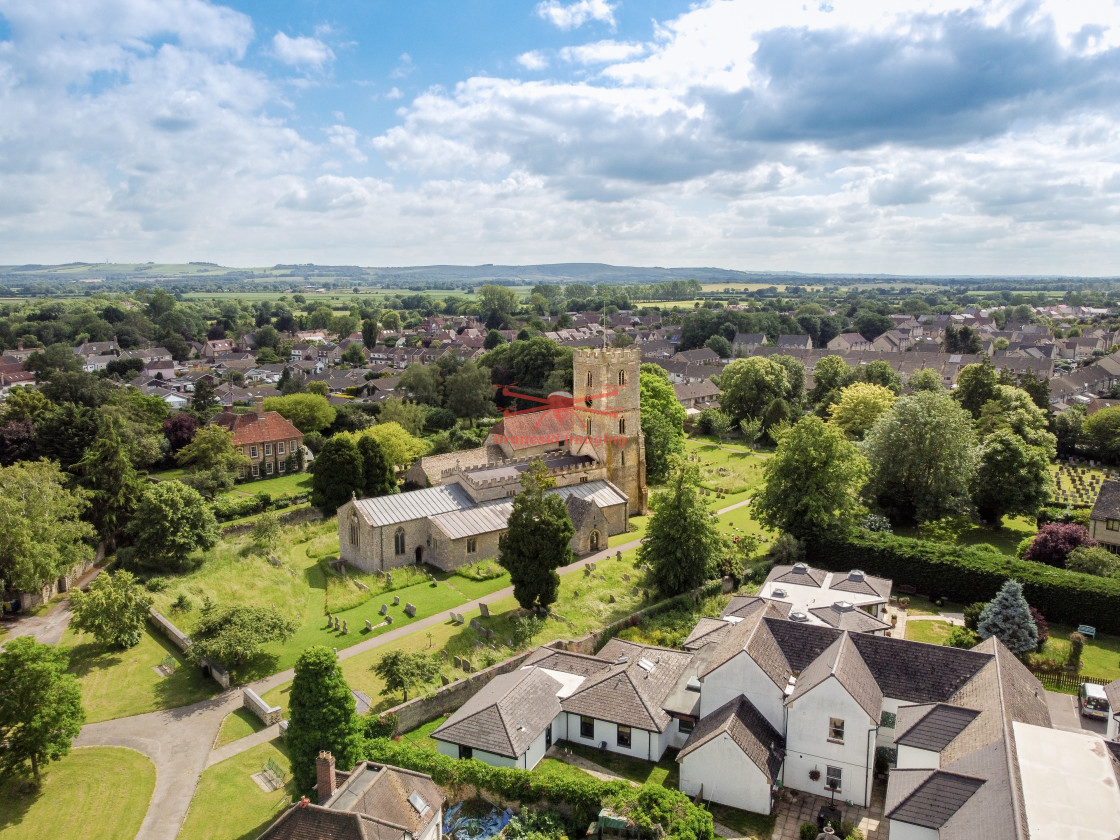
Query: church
591	442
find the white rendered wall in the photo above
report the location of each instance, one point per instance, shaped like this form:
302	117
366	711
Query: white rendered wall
906	831
726	775
911	758
741	675
649	746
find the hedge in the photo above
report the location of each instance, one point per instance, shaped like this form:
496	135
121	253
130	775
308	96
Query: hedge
584	795
964	574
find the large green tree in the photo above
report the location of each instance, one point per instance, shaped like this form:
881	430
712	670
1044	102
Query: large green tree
923	458
114	610
214	462
379	477
40	706
235	635
749	386
859	406
662	421
812	483
337	474
683	542
1012	478
42	535
307	412
321	716
401	670
1100	432
171	522
976	384
1012	409
469	393
537	541
112	483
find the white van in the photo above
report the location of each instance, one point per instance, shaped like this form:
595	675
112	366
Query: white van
1092	702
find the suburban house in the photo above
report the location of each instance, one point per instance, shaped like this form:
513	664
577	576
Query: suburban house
697	396
1112	693
847	342
1104	519
271	442
371	801
595	455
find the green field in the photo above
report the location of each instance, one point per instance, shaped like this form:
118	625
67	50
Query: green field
96	793
295	484
229	805
238	725
931	631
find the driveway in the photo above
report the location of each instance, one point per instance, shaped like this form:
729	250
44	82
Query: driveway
1064	715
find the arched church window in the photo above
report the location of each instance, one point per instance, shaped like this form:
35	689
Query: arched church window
622	377
398	541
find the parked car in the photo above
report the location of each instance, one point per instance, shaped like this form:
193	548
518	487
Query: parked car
1092	702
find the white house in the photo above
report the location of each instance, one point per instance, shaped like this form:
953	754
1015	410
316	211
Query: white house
1112	728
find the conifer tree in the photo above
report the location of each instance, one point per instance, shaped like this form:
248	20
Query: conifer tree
1008	617
321	716
537	542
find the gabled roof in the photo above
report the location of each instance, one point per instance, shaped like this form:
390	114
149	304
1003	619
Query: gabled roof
799	574
706	631
629	692
843	663
916	672
415	504
932	797
931	726
849	618
507	715
742	606
1107	505
747	727
582	664
252	428
1112	693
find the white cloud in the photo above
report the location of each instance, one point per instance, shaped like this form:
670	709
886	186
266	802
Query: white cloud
574	15
301	51
534	60
602	52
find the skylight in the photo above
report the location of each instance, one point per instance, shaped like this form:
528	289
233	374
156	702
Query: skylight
417	801
646	665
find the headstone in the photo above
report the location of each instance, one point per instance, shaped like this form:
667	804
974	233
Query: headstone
475	625
610	599
388	619
337	623
396	600
345	629
626	578
410	610
444	679
634	591
384	609
586	571
485	610
618	555
467	665
645	594
458	662
389	578
488	632
443	654
369	625
432	578
577	593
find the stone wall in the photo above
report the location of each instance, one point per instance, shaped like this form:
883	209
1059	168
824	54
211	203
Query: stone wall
177	636
268	714
292	517
448	698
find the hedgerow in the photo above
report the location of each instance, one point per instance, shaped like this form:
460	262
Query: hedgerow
965	574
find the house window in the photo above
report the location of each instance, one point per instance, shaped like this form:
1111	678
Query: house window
832	778
583	479
622	377
280	448
622	425
586	727
256	470
268	449
268	467
1112	524
283	466
685	727
398	541
465	752
252	452
472	545
836	730
624	736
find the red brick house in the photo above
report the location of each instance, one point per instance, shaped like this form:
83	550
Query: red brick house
271	442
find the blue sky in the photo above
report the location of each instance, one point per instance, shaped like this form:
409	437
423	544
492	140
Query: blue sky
905	136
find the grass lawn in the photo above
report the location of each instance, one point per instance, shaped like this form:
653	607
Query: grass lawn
666	772
746	823
237	725
96	793
732	470
1099	658
418	737
934	632
1006	539
229	805
122	683
293	484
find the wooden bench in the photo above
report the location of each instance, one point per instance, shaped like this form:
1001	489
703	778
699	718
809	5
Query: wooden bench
1087	630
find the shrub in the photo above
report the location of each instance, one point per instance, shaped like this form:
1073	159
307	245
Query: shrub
877	523
808	831
182	603
156	584
962	637
1076	646
964	575
1051	513
787	550
1022	547
379	726
1054	542
972	614
1041	626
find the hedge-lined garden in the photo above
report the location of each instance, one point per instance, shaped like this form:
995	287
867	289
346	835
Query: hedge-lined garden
646	805
965	575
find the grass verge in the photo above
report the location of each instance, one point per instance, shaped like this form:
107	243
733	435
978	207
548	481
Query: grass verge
238	725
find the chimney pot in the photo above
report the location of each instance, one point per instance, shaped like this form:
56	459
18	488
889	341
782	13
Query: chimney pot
324	776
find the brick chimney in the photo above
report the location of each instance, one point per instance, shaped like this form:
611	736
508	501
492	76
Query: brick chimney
324	776
258	404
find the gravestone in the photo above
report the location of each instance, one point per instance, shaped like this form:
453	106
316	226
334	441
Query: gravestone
485	610
458	662
384	609
432	579
577	593
388	619
488	632
388	578
369	625
586	571
443	654
626	578
618	555
634	591
410	610
610	599
345	629
337	623
396	600
467	665
330	621
444	679
475	625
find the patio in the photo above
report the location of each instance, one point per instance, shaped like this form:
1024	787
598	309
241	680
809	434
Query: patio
796	807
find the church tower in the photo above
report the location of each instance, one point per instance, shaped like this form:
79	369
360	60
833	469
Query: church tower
606	381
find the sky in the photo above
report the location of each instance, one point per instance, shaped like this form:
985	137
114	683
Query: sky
873	136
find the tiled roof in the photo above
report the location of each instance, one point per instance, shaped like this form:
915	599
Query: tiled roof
507	715
706	631
535	428
843	663
628	693
742	606
1107	505
582	664
746	726
864	584
799	574
255	428
1112	692
931	726
483	519
849	618
935	799
580	511
915	672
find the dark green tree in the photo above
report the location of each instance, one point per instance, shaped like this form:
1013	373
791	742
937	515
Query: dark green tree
402	670
369	333
976	384
321	716
1012	478
66	433
537	542
683	542
171	522
1008	617
662	422
114	610
380	479
40	706
112	484
235	635
337	474
203	400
